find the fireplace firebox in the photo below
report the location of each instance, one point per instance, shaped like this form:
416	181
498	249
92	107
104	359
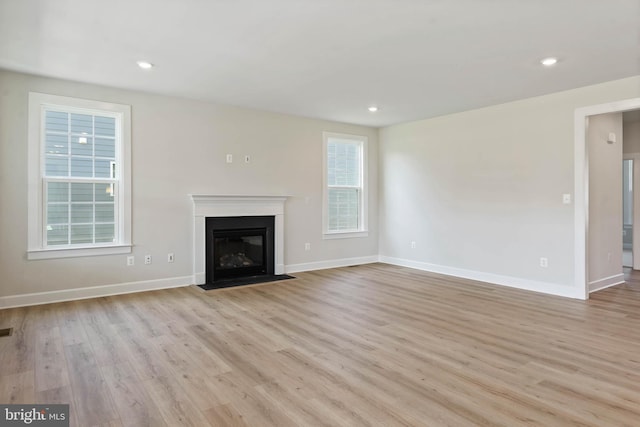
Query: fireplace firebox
237	248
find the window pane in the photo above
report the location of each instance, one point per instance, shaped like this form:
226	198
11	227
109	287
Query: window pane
81	234
57	166
57	144
57	214
343	163
81	124
105	126
81	213
104	193
81	167
106	148
83	218
105	212
343	209
58	192
103	168
105	233
82	192
81	145
57	235
57	121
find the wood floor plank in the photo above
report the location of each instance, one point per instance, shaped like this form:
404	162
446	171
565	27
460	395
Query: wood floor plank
50	362
18	350
93	401
360	346
176	409
71	322
140	353
130	397
251	404
18	388
224	416
60	395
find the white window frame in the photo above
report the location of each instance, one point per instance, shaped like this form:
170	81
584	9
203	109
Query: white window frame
36	245
362	230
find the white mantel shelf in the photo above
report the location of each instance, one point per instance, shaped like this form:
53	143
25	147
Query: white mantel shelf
207	206
237	205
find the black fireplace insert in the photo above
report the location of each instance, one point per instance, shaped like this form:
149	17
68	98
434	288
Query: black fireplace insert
239	247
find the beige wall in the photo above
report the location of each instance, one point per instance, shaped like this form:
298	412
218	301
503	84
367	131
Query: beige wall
179	148
631	132
480	192
605	199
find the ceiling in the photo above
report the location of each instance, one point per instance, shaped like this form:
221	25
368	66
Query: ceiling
328	59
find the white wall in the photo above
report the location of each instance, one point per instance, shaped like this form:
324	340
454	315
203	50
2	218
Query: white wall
480	192
605	201
179	148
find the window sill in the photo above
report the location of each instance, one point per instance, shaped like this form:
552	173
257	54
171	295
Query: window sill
345	235
78	252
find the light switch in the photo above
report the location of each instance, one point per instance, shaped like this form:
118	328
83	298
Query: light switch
566	199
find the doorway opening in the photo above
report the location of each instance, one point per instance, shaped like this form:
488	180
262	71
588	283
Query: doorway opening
581	186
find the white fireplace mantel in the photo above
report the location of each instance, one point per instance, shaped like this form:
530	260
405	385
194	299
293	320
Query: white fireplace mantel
205	206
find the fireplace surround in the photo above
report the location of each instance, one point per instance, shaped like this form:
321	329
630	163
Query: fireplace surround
214	206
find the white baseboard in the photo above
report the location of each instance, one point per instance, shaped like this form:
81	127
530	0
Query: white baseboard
174	282
93	292
332	263
607	282
149	285
496	279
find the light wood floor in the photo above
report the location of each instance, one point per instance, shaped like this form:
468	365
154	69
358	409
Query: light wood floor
374	345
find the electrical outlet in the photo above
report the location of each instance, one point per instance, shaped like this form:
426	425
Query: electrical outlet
147	259
307	246
170	257
566	199
131	260
544	262
413	245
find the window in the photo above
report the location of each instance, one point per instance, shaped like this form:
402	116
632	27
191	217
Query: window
345	212
79	177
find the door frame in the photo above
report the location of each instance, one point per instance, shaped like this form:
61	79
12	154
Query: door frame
581	186
635	233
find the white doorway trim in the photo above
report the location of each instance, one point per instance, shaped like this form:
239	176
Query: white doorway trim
581	186
635	236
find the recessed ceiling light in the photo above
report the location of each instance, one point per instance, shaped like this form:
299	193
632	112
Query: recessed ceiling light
373	109
145	65
548	62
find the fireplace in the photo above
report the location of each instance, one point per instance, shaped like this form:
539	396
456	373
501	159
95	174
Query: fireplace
239	247
243	239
